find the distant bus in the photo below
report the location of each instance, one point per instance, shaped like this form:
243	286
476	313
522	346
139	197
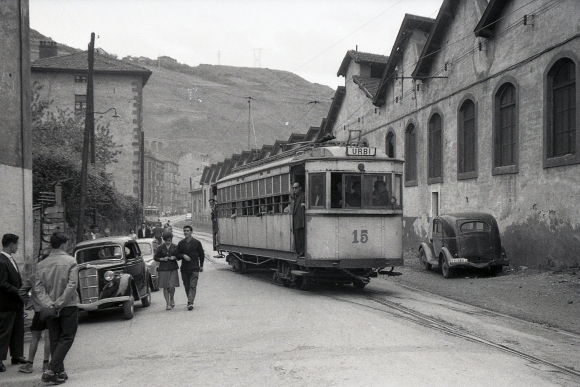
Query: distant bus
151	214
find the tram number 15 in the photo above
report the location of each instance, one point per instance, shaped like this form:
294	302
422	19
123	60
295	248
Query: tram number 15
364	236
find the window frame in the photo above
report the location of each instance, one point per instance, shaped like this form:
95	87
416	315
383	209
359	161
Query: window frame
568	159
461	173
497	168
393	141
411	160
432	179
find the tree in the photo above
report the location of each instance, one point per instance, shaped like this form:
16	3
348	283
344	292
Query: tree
57	139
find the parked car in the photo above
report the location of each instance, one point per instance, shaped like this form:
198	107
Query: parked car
469	239
188	216
148	246
112	273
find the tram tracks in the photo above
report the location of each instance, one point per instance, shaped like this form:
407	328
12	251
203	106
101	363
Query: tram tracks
430	322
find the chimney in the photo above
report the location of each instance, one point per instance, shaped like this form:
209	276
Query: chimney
47	49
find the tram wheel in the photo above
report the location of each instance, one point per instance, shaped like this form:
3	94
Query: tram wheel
302	282
236	265
285	282
359	285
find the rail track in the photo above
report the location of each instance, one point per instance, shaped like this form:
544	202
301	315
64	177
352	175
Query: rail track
378	303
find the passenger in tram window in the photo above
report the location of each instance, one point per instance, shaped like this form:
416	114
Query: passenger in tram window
336	196
298	218
380	194
354	197
318	197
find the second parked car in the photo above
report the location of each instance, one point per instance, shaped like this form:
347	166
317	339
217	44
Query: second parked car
469	239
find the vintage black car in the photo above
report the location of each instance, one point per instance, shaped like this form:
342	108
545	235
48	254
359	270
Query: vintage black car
112	273
469	239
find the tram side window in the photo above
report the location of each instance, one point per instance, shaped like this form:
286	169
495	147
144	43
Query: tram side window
317	187
378	188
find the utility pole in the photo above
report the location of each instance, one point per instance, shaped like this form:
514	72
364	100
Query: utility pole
89	132
249	121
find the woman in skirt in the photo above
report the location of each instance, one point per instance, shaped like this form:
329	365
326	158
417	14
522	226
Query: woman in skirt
168	279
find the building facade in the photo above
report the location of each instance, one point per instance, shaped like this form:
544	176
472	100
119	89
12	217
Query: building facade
117	84
484	112
15	147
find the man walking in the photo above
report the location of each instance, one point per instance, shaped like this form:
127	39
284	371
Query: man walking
190	251
55	286
11	305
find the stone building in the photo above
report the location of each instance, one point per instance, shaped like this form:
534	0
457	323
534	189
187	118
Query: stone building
483	108
15	147
117	84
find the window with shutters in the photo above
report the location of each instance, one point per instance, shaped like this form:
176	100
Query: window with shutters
435	159
410	155
467	141
505	130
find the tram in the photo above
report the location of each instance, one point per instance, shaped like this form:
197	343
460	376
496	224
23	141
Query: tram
353	215
151	214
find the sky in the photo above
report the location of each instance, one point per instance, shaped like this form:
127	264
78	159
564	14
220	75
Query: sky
307	37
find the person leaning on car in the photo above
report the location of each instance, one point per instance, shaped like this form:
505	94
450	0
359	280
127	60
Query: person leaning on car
55	286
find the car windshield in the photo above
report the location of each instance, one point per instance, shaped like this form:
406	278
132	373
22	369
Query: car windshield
99	253
474	227
145	248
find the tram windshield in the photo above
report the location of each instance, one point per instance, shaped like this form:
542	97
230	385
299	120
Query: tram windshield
369	190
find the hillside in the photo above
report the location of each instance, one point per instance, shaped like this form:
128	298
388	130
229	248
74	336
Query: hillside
205	108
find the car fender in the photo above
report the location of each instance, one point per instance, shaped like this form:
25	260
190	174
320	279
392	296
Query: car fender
446	255
126	285
429	253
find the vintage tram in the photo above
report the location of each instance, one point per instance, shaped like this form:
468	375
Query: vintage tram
353	215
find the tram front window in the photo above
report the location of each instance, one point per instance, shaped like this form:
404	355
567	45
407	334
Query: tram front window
317	188
364	191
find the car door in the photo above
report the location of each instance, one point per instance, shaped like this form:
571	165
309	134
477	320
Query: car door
136	266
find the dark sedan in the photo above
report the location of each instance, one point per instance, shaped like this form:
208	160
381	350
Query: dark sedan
468	239
112	273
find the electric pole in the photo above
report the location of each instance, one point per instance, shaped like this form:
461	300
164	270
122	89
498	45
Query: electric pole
89	132
249	121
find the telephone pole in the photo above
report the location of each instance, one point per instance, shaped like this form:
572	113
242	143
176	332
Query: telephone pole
88	134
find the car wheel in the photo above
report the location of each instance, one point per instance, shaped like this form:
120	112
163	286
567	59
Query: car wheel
423	261
445	269
146	301
129	308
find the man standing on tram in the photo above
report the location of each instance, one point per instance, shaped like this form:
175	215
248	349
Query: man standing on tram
298	217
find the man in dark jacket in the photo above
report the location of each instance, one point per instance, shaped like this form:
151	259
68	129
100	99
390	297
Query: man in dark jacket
191	254
144	231
56	286
298	215
11	305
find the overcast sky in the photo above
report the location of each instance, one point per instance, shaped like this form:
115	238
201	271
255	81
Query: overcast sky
306	37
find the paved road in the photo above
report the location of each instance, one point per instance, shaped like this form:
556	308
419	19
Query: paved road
247	331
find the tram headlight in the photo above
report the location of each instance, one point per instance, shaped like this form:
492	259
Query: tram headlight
361	167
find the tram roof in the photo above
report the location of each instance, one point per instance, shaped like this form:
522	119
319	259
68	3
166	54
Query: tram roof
300	154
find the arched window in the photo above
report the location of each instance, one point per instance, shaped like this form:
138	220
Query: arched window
467	141
505	128
435	149
390	145
562	90
411	155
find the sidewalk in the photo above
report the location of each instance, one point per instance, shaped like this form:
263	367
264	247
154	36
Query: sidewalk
545	297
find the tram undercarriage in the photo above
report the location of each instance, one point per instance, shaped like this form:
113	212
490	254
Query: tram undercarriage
302	277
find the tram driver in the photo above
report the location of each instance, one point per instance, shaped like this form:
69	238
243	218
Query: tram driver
298	217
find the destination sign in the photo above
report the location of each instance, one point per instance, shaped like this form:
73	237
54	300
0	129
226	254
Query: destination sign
355	151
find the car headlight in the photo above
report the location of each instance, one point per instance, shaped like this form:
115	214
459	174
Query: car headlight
109	275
